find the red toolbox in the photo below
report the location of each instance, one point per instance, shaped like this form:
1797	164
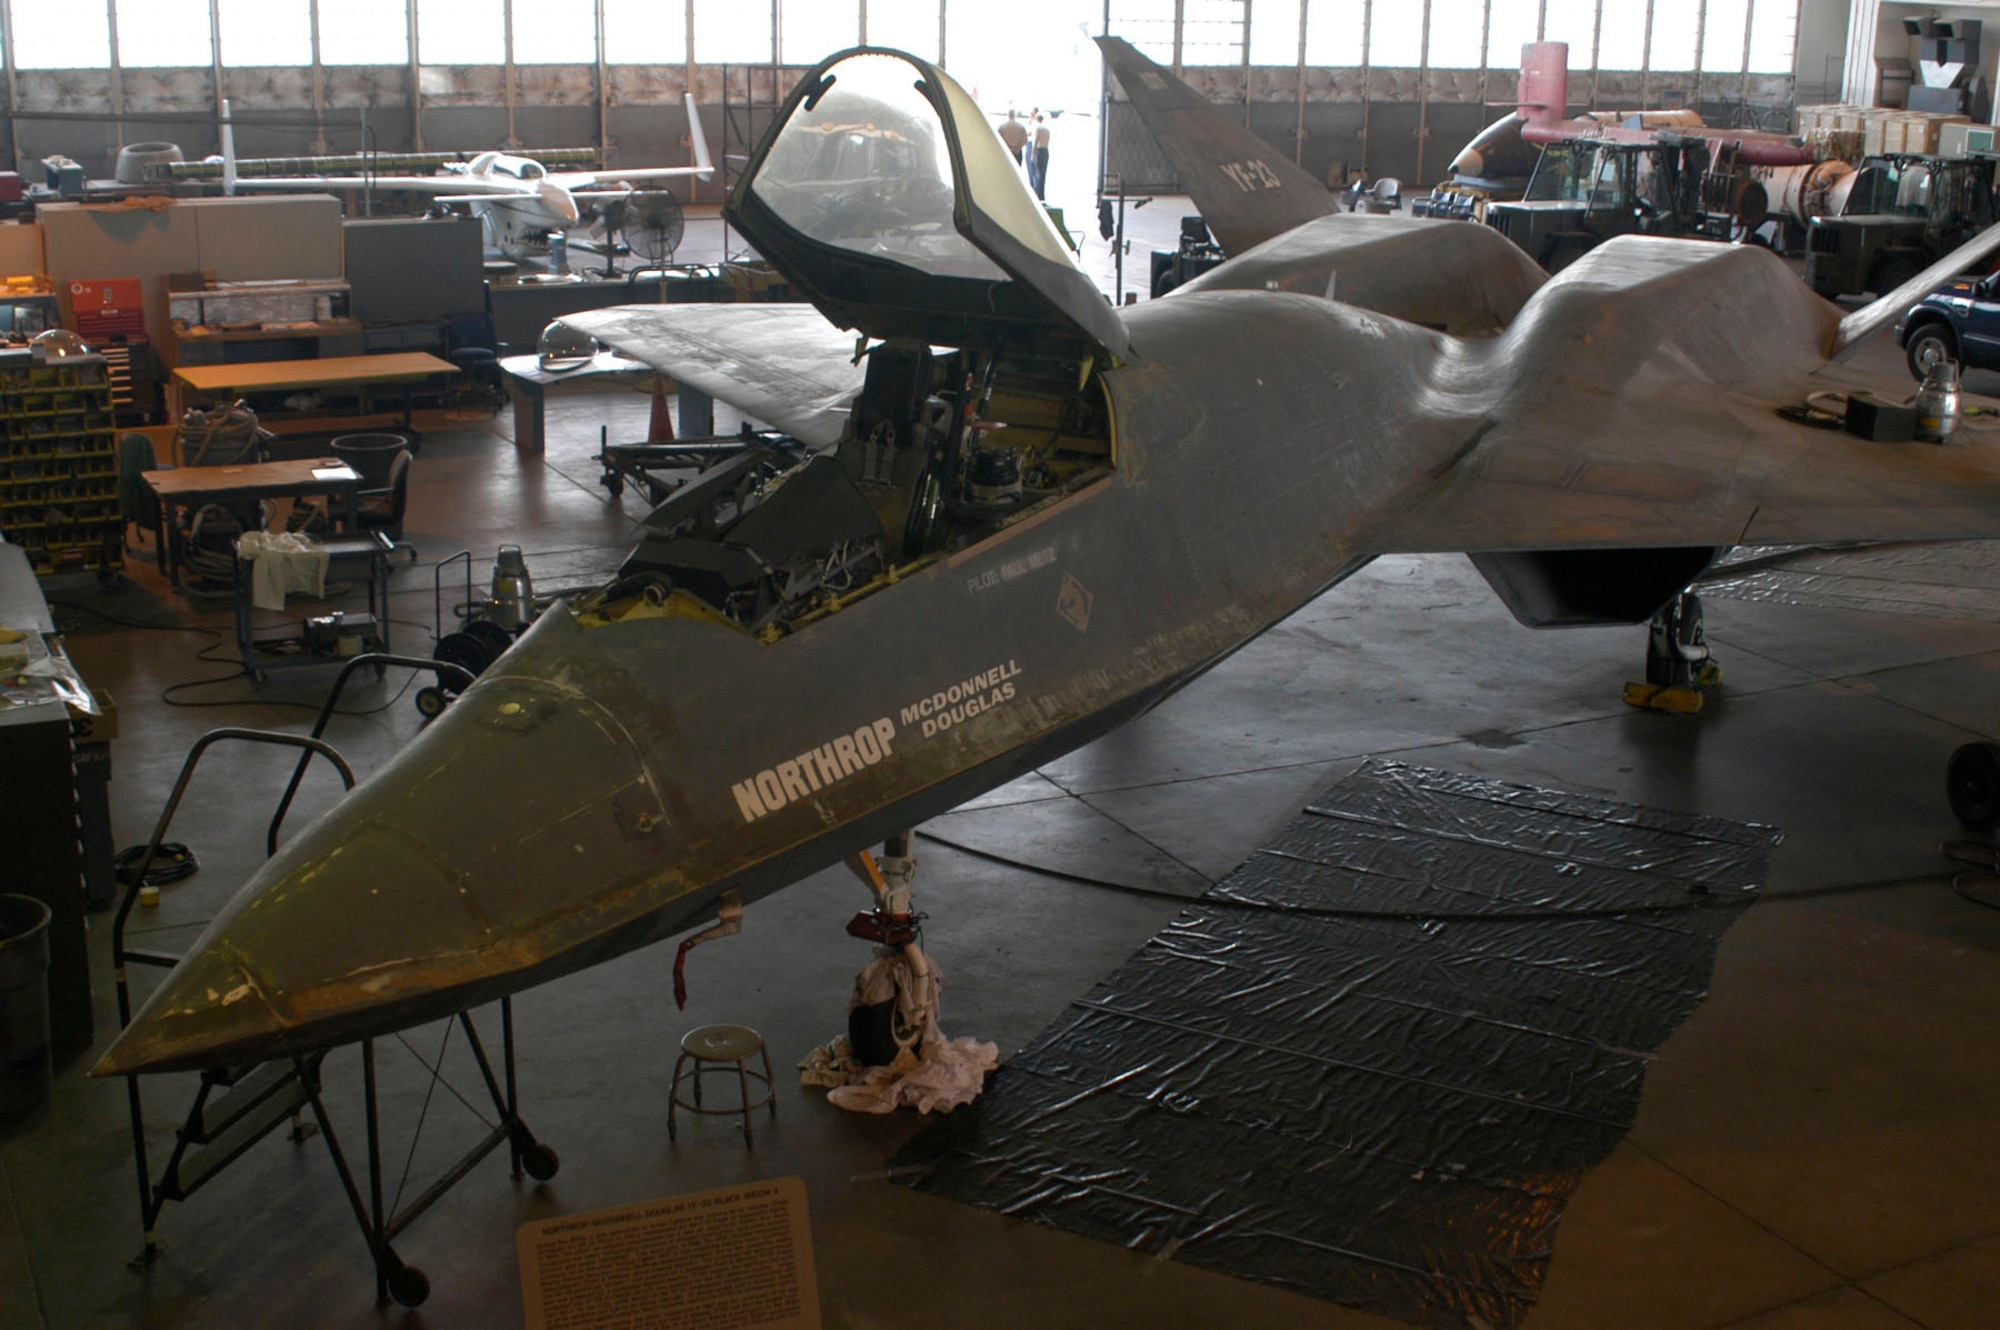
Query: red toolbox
107	307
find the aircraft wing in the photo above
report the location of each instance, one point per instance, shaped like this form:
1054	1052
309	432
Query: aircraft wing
1247	190
1633	403
583	180
421	184
785	365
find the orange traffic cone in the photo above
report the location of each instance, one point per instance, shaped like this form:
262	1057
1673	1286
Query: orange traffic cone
660	429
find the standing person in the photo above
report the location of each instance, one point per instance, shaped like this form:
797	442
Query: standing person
1014	135
1038	163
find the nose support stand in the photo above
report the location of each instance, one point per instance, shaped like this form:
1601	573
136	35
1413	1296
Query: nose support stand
894	926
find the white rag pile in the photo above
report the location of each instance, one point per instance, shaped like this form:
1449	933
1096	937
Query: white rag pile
281	562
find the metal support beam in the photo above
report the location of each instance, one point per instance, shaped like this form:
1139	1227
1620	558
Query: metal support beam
117	76
318	80
416	78
1246	63
1424	89
13	91
1299	130
507	73
1367	77
603	87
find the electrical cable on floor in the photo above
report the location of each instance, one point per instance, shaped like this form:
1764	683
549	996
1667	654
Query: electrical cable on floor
217	639
1689	905
174	862
1979	866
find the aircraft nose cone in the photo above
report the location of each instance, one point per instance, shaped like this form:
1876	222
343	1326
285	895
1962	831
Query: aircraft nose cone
505	845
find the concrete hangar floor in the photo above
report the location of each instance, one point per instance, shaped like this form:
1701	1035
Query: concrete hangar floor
1813	1147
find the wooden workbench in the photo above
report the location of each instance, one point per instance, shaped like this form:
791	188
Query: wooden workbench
231	381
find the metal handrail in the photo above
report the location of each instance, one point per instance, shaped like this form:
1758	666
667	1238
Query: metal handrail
441	668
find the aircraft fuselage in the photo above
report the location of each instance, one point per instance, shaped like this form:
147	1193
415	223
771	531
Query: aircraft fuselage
605	782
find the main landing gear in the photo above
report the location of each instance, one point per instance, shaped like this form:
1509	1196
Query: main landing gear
1972	785
1678	664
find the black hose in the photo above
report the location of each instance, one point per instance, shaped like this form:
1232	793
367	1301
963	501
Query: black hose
173	862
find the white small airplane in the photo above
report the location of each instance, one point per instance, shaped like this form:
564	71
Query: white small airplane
518	201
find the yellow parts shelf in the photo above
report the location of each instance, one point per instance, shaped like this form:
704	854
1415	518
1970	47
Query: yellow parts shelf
59	465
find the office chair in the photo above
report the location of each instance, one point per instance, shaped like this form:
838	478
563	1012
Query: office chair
382	509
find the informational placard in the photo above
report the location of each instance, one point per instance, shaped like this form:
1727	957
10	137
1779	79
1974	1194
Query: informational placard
735	1259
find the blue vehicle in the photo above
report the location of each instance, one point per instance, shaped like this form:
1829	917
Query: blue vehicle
1958	322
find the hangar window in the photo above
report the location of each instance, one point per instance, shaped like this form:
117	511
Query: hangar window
1396	39
1212	32
461	32
553	32
1513	25
1147	24
732	35
164	34
1621	41
274	33
1722	35
1672	45
1774	32
62	36
364	32
1274	33
810	33
906	25
645	32
1457	30
1333	34
1572	21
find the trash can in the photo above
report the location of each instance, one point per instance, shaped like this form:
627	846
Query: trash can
370	455
25	1072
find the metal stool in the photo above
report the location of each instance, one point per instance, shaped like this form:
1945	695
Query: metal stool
719	1044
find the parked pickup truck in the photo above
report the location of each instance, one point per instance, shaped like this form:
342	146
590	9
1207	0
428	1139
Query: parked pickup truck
1960	321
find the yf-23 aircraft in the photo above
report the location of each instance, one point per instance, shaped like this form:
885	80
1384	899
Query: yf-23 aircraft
1018	517
518	201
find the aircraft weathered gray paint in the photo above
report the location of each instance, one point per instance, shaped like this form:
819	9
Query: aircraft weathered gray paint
1028	517
1245	189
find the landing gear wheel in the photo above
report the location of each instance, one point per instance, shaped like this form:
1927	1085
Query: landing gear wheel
430	703
540	1161
614	482
1676	644
1972	785
409	1286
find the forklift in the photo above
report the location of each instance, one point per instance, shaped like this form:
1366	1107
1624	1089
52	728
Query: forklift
1585	191
1904	212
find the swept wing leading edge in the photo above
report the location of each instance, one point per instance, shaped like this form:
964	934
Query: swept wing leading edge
782	364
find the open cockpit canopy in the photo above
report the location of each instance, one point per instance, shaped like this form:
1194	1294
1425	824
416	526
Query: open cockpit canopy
886	197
